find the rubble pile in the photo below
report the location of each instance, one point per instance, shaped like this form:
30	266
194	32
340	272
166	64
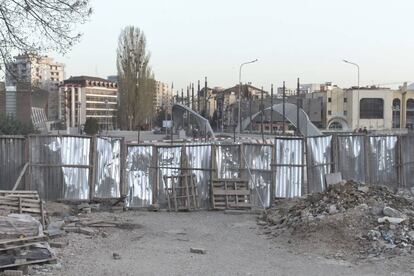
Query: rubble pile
360	220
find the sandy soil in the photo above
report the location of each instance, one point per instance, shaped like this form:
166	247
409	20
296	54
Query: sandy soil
235	245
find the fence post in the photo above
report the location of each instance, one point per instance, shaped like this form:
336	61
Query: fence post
367	161
154	173
92	163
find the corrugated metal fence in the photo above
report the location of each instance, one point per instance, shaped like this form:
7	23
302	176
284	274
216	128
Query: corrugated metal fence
83	168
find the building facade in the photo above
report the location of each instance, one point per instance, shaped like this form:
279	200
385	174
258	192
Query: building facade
162	97
41	72
84	97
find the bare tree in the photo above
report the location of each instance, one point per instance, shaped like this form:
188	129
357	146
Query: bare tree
136	82
40	25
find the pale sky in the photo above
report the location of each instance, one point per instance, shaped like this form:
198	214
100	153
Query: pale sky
190	39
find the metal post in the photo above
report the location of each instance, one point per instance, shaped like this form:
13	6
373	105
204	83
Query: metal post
261	114
182	96
240	90
192	96
198	97
271	109
107	118
357	66
205	98
297	108
250	115
283	108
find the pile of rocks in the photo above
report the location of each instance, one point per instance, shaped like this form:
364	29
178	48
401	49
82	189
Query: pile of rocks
364	220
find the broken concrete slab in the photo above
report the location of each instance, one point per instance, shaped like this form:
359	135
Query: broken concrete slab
333	178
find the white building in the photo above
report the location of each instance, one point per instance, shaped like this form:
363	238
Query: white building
42	72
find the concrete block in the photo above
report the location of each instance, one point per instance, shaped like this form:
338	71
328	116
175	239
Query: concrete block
198	250
333	178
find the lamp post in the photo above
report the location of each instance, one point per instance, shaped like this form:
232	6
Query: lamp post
240	87
357	66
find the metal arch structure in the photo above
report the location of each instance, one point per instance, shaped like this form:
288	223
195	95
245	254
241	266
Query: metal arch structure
306	127
341	120
178	111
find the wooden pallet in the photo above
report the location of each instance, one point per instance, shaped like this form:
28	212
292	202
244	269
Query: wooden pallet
22	202
231	194
182	194
16	248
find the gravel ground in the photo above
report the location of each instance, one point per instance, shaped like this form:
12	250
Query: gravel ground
235	245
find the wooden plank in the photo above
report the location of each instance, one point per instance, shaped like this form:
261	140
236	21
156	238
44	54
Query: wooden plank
231	192
17	183
49	260
28	239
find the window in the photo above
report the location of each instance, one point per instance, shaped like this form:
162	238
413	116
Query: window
371	108
345	100
329	100
345	113
329	112
396	103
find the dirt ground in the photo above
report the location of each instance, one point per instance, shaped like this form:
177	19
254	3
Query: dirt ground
235	245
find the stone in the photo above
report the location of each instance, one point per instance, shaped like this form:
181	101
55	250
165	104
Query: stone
104	235
154	207
57	244
391	212
411	235
333	178
116	256
54	233
261	223
332	209
198	250
56	224
87	231
374	235
363	189
391	220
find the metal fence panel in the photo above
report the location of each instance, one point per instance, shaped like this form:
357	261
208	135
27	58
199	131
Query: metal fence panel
228	161
199	160
351	157
53	161
138	175
289	162
12	161
319	150
108	167
407	160
258	159
168	164
383	154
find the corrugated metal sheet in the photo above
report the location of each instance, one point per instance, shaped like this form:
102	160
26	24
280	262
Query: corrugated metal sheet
383	160
139	178
407	160
108	167
12	160
258	160
168	162
228	161
319	150
289	159
351	157
199	160
60	182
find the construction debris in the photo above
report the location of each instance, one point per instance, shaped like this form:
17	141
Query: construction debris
362	220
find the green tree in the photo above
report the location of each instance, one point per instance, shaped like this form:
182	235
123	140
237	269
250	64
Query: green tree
91	126
136	82
11	126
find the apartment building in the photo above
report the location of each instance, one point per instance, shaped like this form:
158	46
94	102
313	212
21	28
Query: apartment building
83	97
41	72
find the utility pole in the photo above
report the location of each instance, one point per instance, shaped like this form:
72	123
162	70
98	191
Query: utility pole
271	109
297	108
283	108
250	114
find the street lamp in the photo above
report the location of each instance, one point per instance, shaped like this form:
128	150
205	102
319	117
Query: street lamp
240	87
357	66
